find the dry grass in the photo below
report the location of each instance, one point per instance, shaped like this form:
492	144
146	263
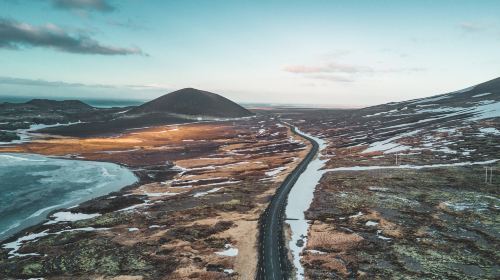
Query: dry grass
334	241
327	262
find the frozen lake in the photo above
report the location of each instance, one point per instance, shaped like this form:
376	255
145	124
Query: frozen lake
33	185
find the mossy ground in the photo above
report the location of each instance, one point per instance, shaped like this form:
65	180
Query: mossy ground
439	223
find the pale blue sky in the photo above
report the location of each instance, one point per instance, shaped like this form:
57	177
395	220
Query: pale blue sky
307	52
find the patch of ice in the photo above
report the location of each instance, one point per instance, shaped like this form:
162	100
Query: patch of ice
221	183
389	146
447	130
200	194
378	189
161	194
407	166
381	113
464	206
316	252
482	94
70	217
135	206
432	99
490	130
16	245
133	229
359	214
15	158
229	251
381	236
487	111
276	171
299	200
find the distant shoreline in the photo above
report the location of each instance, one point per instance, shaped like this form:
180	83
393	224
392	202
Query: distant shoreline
99	103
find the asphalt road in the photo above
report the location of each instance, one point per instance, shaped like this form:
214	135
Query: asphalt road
273	263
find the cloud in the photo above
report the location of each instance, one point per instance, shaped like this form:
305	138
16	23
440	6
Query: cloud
32	82
84	5
128	24
341	72
44	83
470	27
331	67
331	78
30	88
16	35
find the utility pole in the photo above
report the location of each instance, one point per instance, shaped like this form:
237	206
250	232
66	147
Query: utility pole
486	174
491	175
488	178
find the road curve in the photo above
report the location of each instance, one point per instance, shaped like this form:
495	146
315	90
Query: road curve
273	263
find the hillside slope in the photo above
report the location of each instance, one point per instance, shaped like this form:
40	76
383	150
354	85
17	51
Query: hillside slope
411	189
193	102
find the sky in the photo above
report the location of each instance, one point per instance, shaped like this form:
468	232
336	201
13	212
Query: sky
319	52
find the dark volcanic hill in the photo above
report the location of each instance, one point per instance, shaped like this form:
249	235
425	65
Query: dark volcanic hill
182	106
193	102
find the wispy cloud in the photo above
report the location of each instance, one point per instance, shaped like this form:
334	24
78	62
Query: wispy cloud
128	24
17	35
471	27
331	78
44	83
32	82
331	67
84	5
342	72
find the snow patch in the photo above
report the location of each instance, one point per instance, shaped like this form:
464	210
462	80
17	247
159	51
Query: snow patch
482	94
200	194
276	171
70	217
229	251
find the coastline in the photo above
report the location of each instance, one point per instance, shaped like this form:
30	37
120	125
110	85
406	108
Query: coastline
110	188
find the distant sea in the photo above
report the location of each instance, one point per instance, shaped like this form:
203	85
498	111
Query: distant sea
101	103
33	185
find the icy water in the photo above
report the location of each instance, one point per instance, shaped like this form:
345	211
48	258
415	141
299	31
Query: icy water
32	185
299	199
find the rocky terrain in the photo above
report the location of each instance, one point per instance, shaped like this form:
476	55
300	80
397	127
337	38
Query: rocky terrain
193	215
405	193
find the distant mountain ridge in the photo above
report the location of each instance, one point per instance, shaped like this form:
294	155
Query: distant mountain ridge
181	106
64	104
487	93
192	102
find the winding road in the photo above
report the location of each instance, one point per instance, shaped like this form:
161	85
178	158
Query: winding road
273	263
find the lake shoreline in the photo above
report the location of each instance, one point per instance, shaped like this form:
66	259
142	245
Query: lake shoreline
42	218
